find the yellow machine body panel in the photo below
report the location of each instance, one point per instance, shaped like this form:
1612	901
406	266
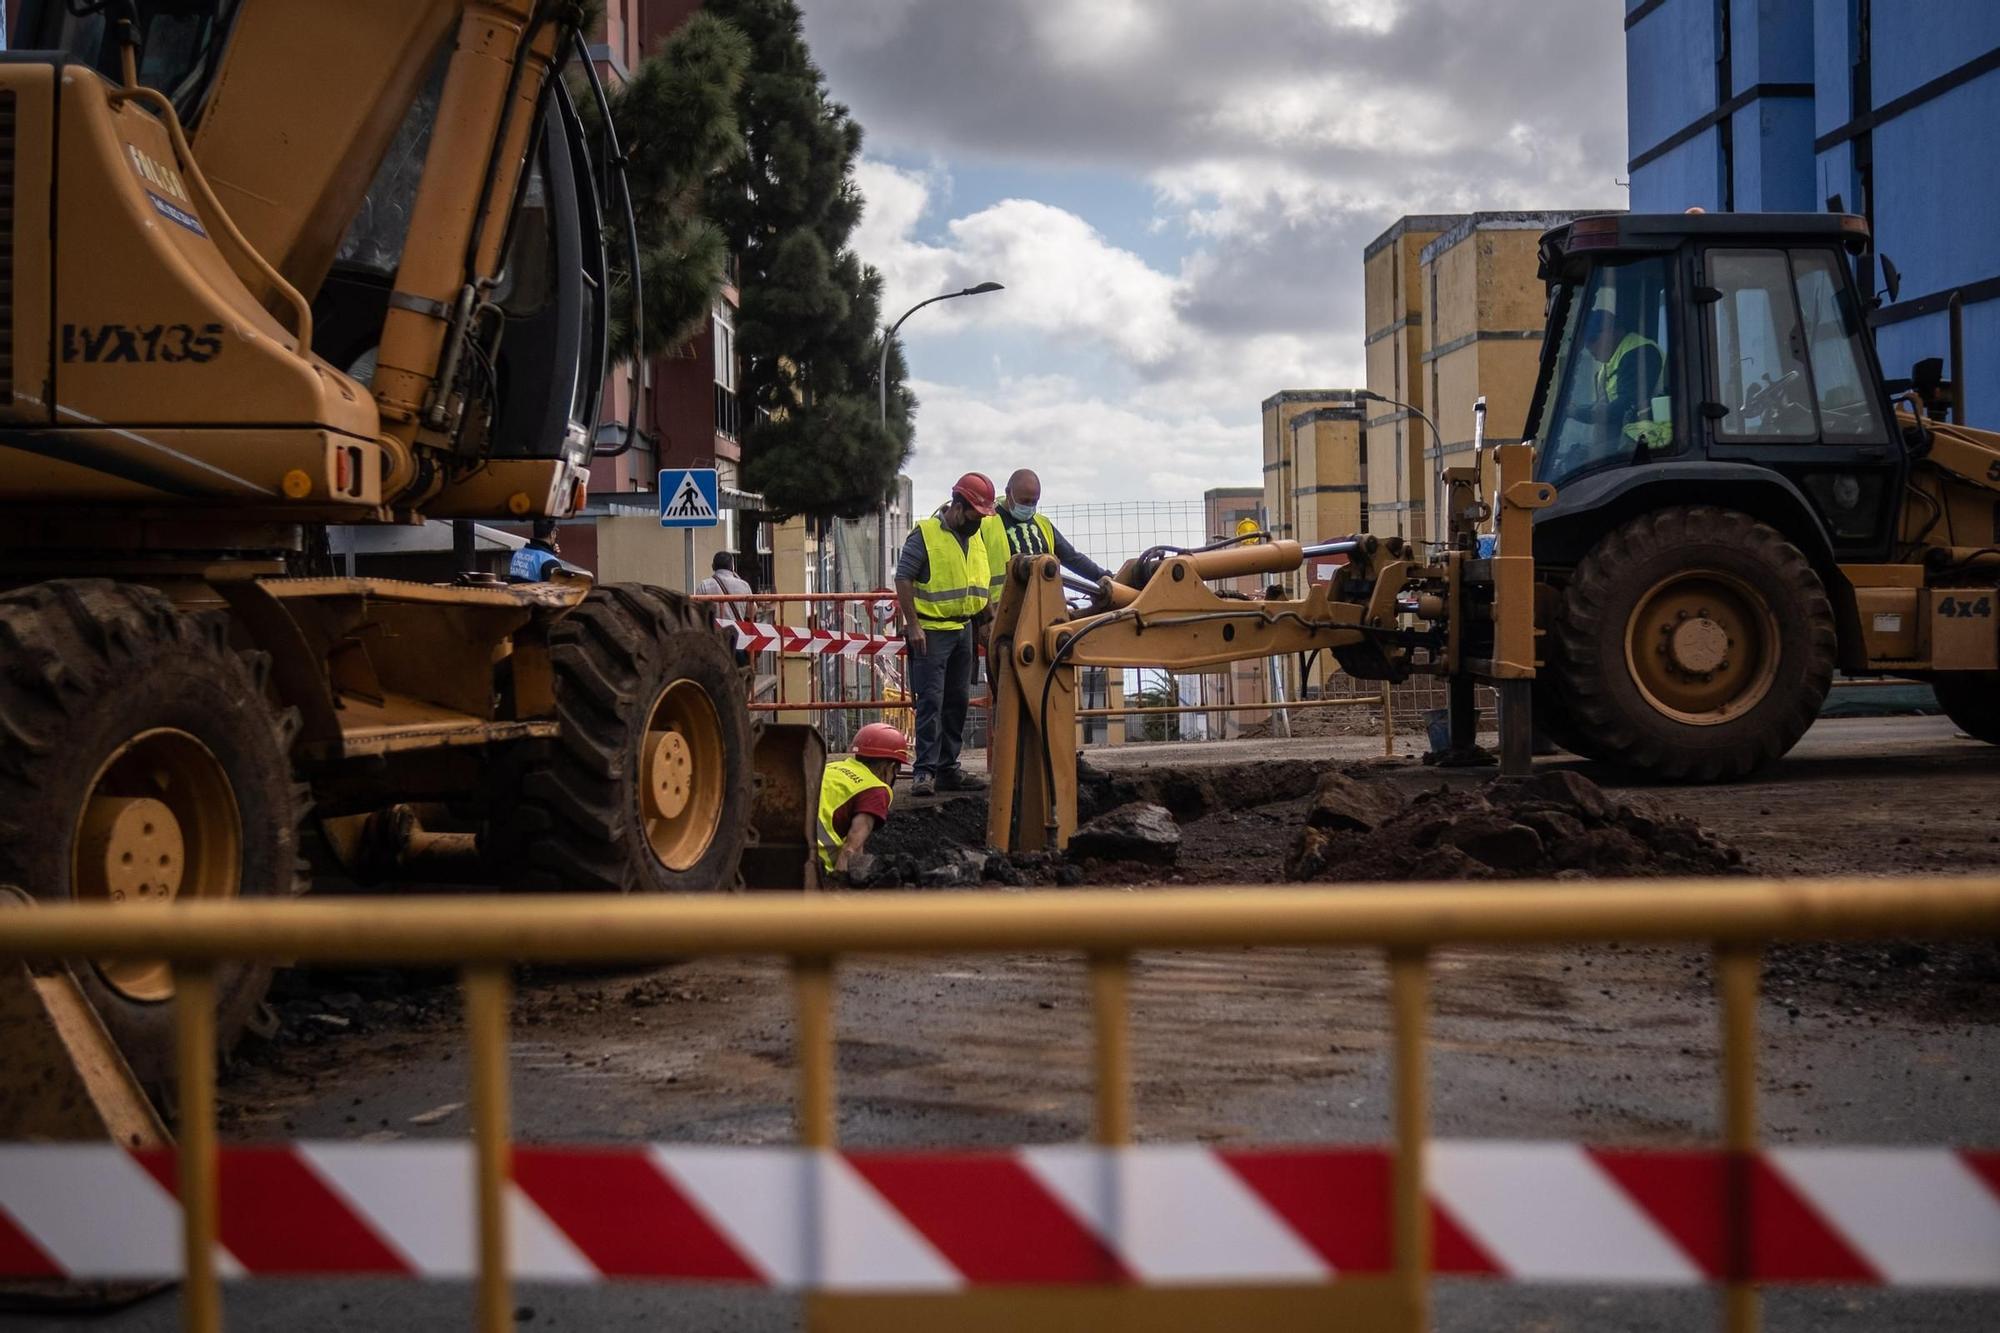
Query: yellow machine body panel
337	114
161	377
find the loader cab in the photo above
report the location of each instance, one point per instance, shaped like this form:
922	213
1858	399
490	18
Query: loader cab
1707	350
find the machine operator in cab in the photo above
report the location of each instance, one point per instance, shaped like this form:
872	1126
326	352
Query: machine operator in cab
1631	382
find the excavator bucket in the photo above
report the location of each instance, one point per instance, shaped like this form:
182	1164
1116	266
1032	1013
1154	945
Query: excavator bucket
66	1082
788	759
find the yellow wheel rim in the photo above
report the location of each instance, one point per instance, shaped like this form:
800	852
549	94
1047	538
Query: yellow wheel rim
159	824
682	774
1702	647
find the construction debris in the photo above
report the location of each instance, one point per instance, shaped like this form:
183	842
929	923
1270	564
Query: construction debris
1556	824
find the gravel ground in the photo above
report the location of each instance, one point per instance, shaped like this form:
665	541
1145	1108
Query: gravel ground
1878	1043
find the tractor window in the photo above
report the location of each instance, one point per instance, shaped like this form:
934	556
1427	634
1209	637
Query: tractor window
1847	409
1613	402
1761	379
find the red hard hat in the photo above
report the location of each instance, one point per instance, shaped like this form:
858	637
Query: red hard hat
976	489
879	740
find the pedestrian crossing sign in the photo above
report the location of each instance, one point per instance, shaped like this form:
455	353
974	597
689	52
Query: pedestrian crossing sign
687	497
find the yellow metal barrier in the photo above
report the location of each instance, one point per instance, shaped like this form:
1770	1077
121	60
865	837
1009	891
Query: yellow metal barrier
485	935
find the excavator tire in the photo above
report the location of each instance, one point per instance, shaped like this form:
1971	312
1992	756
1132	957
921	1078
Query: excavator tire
648	788
141	759
1693	643
1971	699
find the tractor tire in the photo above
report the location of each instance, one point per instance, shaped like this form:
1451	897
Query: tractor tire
141	759
1693	643
1555	718
1971	699
648	787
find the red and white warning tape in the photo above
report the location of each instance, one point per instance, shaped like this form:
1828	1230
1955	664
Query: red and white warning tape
790	1217
754	637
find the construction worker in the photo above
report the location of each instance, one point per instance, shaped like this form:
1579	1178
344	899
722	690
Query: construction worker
855	794
1631	380
1016	529
941	586
532	563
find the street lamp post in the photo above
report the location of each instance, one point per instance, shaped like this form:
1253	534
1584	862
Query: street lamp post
882	384
1437	440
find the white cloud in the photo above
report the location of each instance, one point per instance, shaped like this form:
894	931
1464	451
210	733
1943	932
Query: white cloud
1085	447
1277	137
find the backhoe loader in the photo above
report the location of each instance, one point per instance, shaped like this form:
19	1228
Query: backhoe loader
273	265
1766	508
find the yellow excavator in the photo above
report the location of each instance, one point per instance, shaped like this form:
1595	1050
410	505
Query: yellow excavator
272	265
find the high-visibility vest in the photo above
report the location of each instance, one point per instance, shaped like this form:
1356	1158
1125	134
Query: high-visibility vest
1653	432
1006	540
531	564
844	780
956	588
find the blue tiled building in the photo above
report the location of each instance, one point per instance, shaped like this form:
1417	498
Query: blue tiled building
1887	108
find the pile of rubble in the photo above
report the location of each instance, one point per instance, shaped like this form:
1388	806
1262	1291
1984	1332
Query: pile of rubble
1555	825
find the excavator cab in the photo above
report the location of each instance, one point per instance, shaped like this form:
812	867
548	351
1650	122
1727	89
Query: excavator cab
1741	506
1692	349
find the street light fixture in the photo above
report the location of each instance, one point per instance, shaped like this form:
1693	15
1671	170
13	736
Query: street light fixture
882	383
1437	438
882	374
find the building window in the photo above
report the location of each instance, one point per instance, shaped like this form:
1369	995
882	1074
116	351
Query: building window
728	422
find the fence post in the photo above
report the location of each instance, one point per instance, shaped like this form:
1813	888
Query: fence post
1737	970
486	1000
1409	998
194	1068
1110	1007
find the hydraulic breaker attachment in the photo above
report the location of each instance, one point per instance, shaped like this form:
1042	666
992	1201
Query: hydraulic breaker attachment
787	759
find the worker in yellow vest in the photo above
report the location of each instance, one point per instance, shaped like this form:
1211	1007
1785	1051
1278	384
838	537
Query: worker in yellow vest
941	586
855	794
1630	387
1017	529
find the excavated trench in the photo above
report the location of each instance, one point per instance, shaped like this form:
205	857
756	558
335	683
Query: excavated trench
1297	820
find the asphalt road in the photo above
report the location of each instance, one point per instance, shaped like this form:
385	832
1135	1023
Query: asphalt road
1604	1045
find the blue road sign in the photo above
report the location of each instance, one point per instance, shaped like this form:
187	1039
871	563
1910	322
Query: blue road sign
688	497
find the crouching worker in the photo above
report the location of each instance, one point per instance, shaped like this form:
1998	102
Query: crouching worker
855	794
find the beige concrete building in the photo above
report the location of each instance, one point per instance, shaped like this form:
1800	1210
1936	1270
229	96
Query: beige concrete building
1281	409
1330	472
1453	311
1393	305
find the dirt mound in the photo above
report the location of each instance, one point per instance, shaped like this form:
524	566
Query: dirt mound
1556	824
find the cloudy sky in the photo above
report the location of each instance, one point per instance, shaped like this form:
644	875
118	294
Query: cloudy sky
1176	194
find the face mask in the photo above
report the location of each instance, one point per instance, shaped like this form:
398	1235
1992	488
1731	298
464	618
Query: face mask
968	521
1023	512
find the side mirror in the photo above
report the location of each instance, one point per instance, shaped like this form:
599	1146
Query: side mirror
1892	278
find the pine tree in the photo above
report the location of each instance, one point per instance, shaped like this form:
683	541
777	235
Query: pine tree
809	327
677	126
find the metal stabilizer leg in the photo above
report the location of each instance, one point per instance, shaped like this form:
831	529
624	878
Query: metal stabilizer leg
1463	711
1517	728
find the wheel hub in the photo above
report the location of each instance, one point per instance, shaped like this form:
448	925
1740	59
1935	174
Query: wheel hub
159	824
1698	645
134	847
683	768
669	773
1702	647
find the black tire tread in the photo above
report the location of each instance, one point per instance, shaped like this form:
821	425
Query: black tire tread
1585	679
569	822
1971	699
66	647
